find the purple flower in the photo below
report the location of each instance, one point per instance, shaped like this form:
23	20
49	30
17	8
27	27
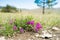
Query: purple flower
31	23
28	22
21	30
14	27
38	26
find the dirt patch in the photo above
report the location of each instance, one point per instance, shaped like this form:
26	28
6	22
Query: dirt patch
23	36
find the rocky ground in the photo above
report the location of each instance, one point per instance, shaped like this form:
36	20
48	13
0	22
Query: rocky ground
30	36
33	36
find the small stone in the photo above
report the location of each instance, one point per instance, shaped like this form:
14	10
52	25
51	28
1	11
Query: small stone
19	39
54	35
46	38
45	34
33	37
50	31
9	38
37	35
2	38
30	39
42	36
55	28
48	35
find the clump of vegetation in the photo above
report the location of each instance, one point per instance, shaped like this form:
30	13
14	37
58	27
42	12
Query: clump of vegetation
20	26
9	8
29	23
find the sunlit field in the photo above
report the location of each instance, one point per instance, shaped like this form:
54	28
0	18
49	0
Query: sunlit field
8	28
47	20
29	20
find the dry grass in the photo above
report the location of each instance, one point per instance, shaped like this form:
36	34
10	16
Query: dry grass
46	19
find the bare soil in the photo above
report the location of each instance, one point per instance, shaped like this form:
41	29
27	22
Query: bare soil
31	36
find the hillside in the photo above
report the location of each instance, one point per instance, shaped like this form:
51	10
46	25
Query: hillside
39	10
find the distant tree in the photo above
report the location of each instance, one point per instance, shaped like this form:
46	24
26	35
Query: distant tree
9	8
45	3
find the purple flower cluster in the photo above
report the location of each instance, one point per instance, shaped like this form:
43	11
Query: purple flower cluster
31	23
21	30
14	27
38	27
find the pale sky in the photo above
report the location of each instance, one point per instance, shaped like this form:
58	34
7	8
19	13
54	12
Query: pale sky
27	4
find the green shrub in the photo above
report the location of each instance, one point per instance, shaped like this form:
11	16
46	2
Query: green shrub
23	22
9	8
18	25
8	31
28	23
